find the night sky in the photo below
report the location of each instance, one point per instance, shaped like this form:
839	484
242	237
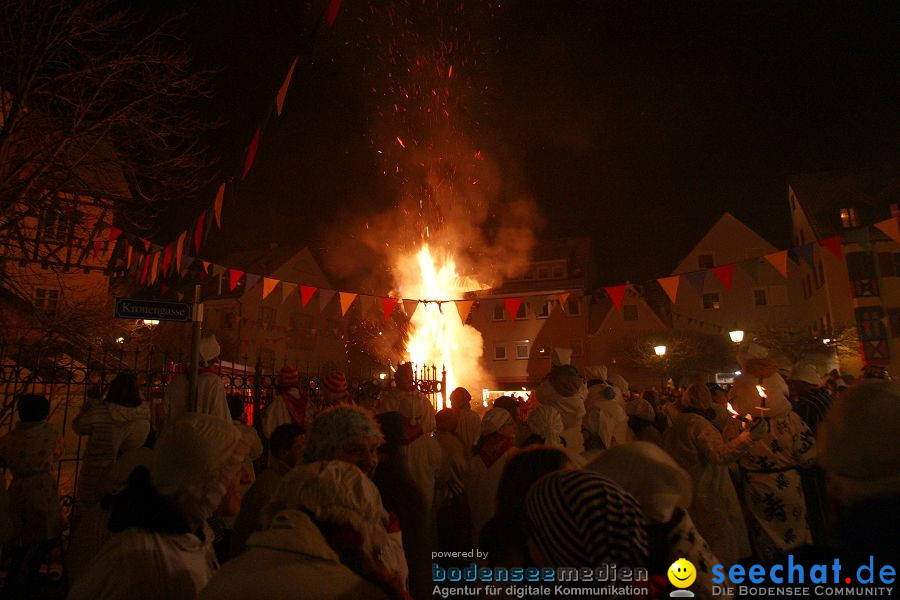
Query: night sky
637	123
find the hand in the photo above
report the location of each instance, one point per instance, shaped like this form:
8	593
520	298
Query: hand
759	429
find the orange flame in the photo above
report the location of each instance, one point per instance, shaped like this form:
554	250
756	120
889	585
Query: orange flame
761	391
438	336
731	409
400	141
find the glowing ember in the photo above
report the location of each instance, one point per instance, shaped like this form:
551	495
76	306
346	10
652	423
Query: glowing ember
437	335
761	391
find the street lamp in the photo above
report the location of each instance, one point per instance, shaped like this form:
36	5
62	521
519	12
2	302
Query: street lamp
660	350
736	335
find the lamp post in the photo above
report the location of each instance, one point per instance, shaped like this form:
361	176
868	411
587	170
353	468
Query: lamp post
661	353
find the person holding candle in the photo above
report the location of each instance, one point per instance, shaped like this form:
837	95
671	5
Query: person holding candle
698	447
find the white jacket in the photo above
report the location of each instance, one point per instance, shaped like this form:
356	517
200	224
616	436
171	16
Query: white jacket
571	409
137	565
290	560
611	412
210	396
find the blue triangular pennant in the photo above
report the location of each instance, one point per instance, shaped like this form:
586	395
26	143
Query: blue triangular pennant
697	279
807	253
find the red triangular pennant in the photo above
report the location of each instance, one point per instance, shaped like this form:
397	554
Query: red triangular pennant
512	306
306	293
388	305
409	307
114	233
251	153
725	274
617	295
332	12
833	245
198	231
234	277
167	259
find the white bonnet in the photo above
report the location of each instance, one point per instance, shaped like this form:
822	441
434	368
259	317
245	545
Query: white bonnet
595	372
337	492
561	356
209	347
806	372
648	473
493	420
641	409
546	422
195	460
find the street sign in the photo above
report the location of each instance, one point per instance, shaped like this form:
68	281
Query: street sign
127	308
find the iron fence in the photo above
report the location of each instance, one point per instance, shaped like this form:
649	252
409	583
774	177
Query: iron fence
67	381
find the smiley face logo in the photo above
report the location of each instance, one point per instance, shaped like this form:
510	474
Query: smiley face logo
682	573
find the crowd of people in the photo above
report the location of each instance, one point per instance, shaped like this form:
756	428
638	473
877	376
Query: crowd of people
356	497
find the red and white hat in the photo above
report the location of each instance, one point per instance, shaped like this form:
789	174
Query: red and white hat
288	377
335	387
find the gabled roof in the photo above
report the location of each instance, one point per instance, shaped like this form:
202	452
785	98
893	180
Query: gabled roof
823	195
725	231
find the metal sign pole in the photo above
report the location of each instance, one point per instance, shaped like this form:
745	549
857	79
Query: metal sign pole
195	349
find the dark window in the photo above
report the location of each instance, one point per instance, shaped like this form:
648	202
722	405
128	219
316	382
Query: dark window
861	271
630	312
559	272
267	315
895	321
499	314
759	297
499	351
301	322
522	313
55	226
228	320
577	348
895	210
820	274
711	301
573	307
705	261
543	273
544	310
46	300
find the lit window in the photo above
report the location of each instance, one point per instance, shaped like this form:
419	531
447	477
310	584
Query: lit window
521	350
711	301
499	351
849	218
759	297
630	312
573	307
46	300
705	261
499	315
